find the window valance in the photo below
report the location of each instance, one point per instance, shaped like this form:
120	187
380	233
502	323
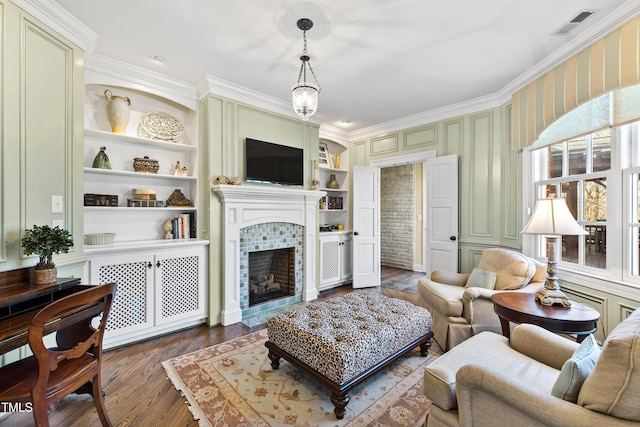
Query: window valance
609	64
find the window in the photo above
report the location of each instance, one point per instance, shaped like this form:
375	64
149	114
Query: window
599	177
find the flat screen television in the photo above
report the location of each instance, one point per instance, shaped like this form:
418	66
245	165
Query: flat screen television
273	163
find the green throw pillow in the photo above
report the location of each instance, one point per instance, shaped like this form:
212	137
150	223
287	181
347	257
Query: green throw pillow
576	370
481	279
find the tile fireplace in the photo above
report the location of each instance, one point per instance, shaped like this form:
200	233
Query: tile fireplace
266	218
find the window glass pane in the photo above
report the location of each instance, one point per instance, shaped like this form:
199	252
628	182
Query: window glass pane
595	246
635	249
595	199
577	149
551	191
635	179
570	249
601	150
570	195
554	154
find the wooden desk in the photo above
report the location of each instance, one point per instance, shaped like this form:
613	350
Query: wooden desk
20	300
519	307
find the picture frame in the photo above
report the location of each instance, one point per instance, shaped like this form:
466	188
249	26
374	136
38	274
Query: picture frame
325	160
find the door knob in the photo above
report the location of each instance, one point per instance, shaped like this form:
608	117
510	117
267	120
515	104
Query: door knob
355	233
452	238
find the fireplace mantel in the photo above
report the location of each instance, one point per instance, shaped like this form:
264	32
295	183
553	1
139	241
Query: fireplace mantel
246	205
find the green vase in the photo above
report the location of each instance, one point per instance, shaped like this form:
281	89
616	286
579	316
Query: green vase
102	160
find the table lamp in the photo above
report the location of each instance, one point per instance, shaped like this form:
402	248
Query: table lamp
551	218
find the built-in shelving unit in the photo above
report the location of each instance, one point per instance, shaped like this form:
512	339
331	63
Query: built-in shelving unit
162	283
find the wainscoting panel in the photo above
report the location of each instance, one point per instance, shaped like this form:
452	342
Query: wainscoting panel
384	145
358	153
453	134
511	185
480	163
421	137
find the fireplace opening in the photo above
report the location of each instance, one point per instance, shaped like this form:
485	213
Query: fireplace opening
271	275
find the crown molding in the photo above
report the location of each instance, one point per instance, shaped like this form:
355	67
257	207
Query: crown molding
62	22
334	134
454	110
210	85
104	70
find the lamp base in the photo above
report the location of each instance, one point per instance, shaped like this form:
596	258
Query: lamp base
552	297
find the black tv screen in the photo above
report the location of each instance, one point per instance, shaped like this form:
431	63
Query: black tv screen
273	163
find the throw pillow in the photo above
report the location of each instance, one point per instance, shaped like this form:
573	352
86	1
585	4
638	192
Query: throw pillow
481	279
576	370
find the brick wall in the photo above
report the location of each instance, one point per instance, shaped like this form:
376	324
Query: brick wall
397	216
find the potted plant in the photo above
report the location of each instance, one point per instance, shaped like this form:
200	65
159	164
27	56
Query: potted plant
45	241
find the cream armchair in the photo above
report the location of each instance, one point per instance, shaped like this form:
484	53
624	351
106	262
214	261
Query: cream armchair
484	381
460	311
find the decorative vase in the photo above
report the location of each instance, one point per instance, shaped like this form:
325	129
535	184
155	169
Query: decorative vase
101	161
336	161
118	110
333	182
315	182
43	277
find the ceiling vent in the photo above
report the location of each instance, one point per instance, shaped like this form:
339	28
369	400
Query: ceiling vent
574	22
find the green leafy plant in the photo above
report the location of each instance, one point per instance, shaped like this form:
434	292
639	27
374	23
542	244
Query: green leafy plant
45	241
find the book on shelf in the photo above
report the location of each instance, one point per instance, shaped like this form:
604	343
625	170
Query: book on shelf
184	226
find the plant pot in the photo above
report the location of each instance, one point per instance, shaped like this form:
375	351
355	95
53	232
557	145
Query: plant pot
43	277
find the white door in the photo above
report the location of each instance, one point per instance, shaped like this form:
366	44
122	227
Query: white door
442	213
366	237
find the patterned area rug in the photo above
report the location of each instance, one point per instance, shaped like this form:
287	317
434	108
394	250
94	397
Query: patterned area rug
233	384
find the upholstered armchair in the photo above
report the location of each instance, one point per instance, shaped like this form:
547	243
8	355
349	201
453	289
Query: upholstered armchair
541	379
460	303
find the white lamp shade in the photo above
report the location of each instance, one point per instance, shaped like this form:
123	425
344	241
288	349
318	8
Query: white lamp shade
552	217
305	99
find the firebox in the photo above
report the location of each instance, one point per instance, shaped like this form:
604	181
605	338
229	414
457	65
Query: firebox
271	275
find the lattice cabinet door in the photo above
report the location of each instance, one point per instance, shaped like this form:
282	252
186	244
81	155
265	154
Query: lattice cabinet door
132	308
329	259
180	290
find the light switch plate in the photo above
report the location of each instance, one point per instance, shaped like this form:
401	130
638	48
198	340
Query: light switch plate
56	204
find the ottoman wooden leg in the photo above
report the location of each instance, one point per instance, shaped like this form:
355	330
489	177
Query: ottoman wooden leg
275	360
340	402
424	348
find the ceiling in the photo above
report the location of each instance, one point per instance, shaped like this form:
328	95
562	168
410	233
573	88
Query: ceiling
376	60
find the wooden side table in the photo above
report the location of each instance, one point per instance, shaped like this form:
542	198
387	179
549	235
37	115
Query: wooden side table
518	307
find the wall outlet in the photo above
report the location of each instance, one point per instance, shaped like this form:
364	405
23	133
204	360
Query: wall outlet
57	223
56	204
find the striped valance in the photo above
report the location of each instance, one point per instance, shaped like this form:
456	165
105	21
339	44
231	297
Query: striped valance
609	64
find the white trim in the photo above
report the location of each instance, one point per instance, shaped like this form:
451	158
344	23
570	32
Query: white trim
410	159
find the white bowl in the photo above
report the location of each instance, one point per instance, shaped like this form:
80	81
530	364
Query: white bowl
100	238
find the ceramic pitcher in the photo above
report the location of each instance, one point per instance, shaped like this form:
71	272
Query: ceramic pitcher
118	109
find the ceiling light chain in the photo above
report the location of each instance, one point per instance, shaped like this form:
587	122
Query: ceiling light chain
305	94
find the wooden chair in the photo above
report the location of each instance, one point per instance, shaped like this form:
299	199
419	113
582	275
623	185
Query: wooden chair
52	373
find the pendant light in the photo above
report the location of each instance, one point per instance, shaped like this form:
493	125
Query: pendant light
304	93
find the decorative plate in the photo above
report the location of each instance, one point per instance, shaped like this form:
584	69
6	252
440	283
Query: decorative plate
159	125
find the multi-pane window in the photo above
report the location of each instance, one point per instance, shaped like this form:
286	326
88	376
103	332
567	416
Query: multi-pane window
577	171
598	175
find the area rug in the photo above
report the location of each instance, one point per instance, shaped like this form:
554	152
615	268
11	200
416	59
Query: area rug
233	384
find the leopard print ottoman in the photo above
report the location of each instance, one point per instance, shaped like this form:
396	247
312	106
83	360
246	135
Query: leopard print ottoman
344	340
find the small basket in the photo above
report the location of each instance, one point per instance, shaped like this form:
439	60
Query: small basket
100	238
145	164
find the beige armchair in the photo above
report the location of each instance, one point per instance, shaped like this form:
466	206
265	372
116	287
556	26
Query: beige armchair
484	381
460	311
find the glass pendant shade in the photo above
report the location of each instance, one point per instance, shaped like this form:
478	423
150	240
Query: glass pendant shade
305	99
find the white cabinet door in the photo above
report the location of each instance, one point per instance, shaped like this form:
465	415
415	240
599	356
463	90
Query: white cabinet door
180	291
329	260
132	309
345	258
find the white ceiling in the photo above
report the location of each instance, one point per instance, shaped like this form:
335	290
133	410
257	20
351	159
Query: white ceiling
376	60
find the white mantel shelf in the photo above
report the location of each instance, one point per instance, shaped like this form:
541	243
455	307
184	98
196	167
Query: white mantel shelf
246	205
255	193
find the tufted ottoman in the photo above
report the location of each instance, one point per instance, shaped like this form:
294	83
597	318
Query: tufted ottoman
344	340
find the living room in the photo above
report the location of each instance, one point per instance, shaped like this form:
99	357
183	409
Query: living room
499	175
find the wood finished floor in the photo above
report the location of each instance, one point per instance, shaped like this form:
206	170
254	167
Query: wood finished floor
137	390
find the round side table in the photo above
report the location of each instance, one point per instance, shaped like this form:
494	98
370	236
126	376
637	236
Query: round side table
517	307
